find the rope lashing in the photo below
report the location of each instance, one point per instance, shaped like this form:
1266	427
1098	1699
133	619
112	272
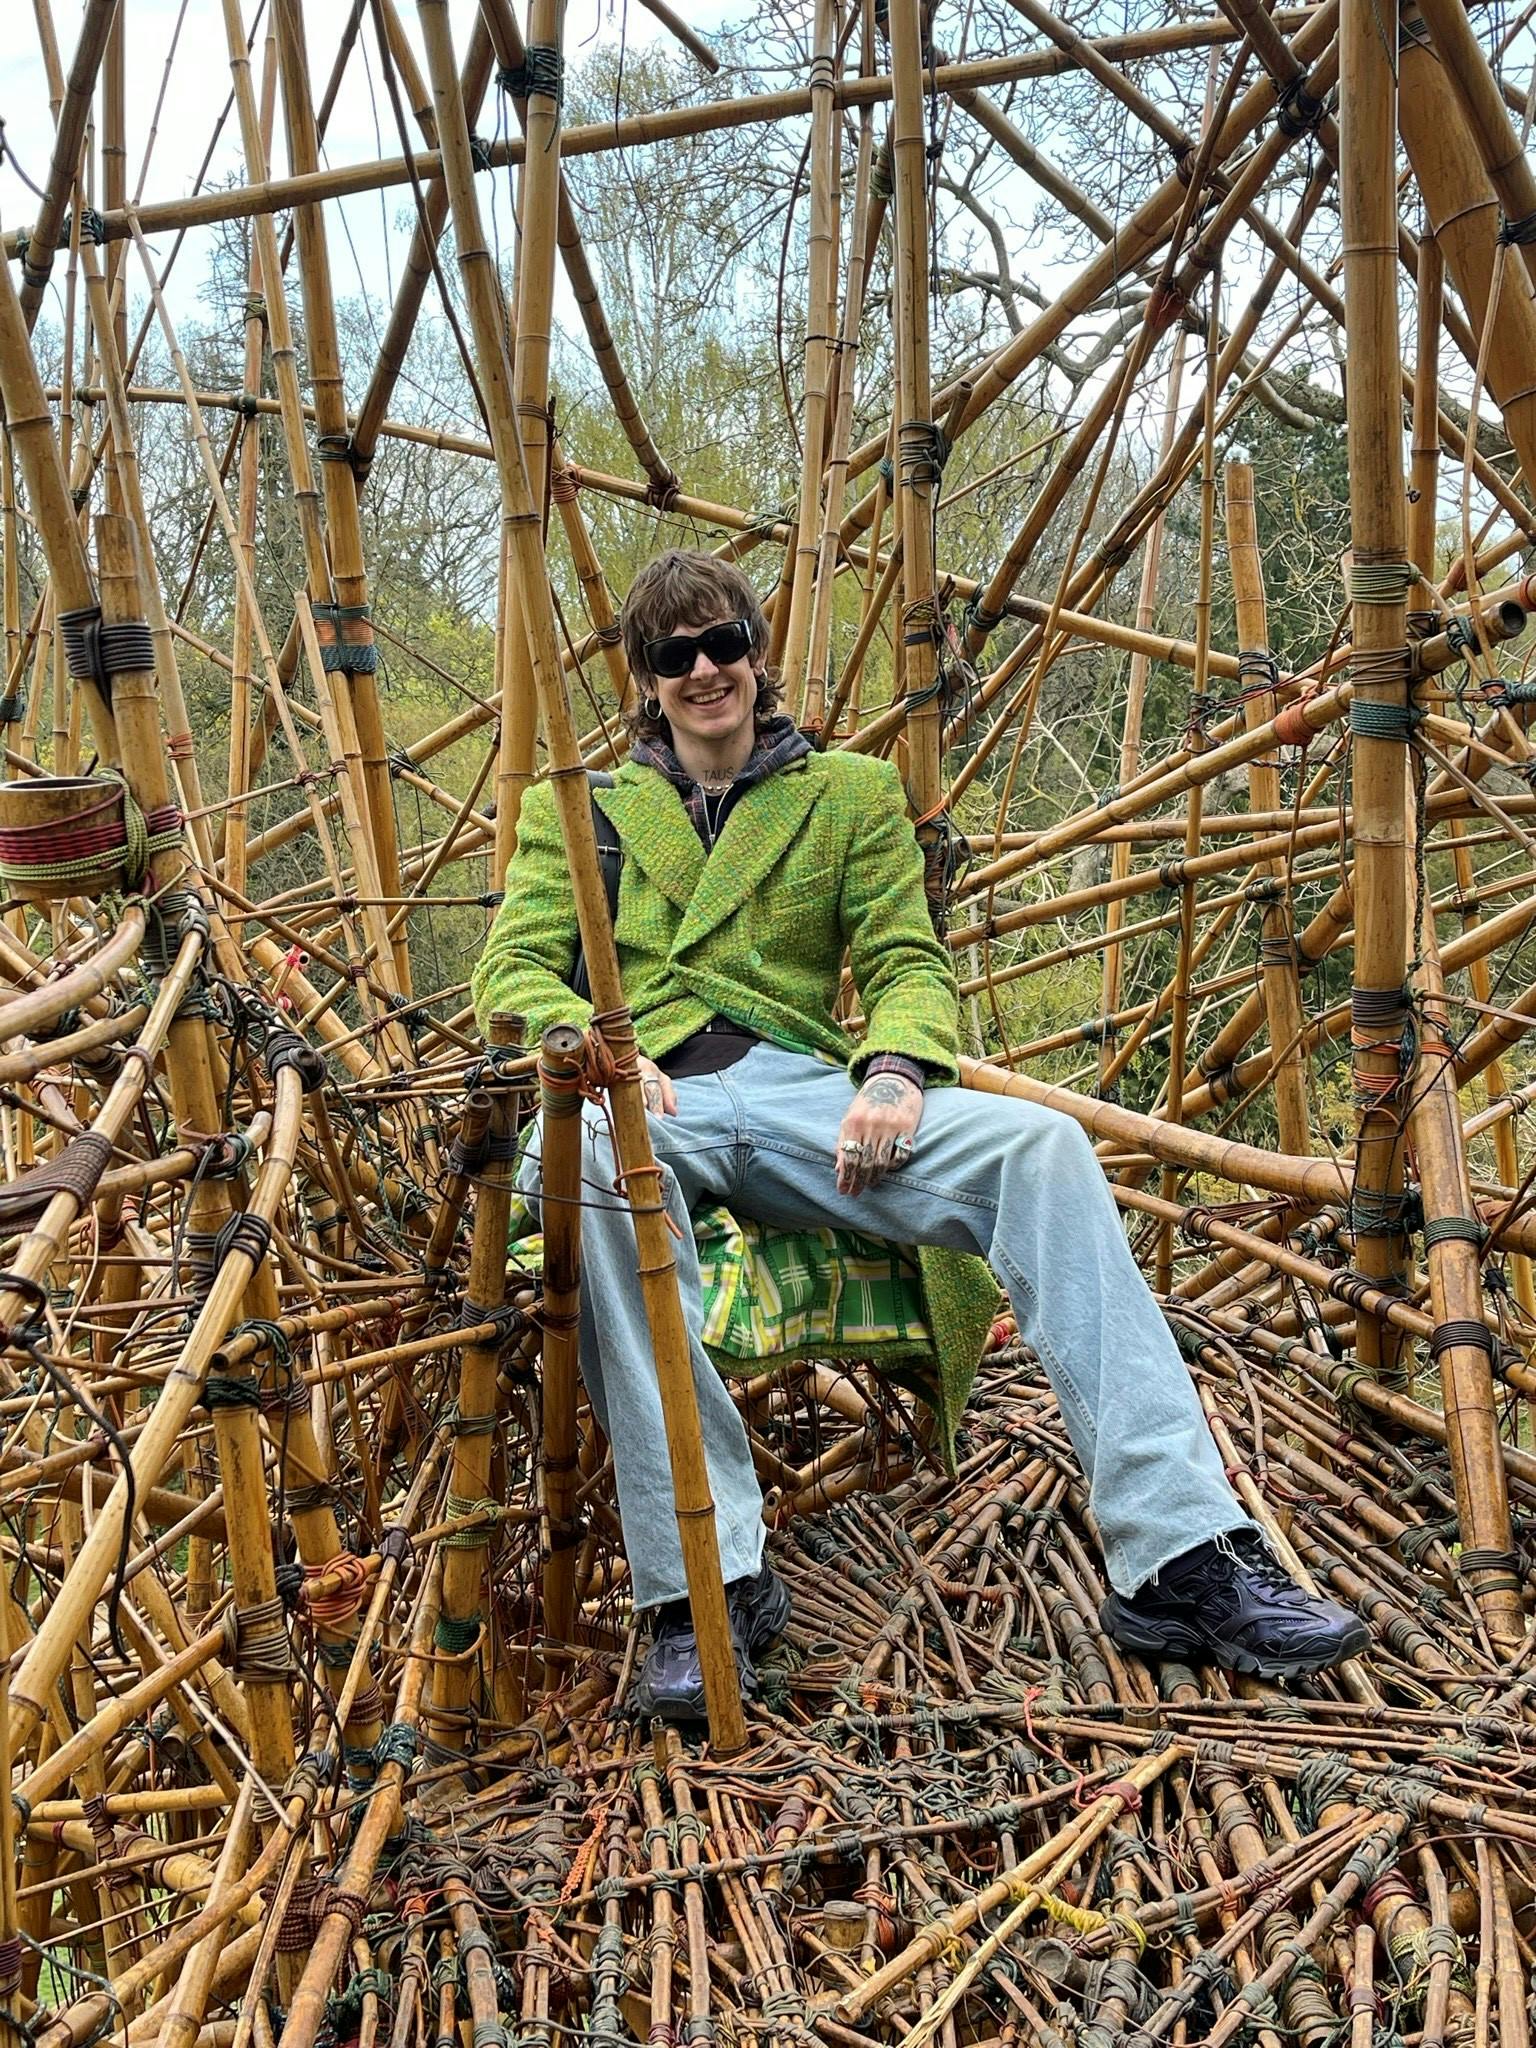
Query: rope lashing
93	228
1414	1543
1508	692
1292	726
1297	111
1381	1021
75	1171
1256	665
1381	668
96	652
542	71
1375	1212
111	841
979	619
1461	1332
1455	1230
256	1639
1518	233
882	175
920	628
345	631
923	449
456	1635
35	275
564	484
230	1390
244	1232
303	1500
1385	582
1372	721
13	706
1496	1571
338	1603
458	1508
287	1049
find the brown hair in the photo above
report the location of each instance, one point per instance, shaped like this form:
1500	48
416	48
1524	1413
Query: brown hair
684	585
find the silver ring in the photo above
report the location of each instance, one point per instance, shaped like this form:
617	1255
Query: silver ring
901	1147
851	1149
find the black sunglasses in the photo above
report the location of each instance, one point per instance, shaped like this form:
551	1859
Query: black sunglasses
675	655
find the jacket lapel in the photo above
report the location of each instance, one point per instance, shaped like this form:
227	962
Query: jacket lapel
756	834
656	830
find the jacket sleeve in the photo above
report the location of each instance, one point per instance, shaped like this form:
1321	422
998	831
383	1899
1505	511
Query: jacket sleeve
530	950
904	975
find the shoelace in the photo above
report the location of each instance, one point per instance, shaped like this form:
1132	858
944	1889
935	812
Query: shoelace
1271	1574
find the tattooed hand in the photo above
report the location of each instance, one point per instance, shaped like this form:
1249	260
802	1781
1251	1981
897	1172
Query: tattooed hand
877	1133
656	1089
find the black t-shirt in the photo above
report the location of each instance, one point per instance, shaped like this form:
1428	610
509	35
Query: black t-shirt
722	1041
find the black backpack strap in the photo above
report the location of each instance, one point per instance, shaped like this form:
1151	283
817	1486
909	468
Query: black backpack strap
610	856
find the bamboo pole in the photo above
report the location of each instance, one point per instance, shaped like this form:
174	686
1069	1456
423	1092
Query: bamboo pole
657	1269
1379	581
538	203
463	1627
560	1186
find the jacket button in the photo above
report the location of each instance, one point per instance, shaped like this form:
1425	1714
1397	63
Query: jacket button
754	958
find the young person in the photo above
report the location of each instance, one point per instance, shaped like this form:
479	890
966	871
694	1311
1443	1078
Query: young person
752	863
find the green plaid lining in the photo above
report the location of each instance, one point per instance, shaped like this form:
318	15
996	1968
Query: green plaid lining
792	1293
771	1296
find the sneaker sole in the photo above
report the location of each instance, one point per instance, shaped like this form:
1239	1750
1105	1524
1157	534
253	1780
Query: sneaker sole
1186	1647
678	1709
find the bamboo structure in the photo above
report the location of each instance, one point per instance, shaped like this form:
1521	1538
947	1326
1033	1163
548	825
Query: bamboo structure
318	1627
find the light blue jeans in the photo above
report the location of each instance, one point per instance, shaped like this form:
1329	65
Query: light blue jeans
989	1174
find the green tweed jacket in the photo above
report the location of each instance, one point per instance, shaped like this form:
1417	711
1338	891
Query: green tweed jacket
816	858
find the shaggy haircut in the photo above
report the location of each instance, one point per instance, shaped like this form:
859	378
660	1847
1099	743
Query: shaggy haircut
678	588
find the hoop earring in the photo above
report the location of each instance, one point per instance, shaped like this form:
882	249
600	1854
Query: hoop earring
651	708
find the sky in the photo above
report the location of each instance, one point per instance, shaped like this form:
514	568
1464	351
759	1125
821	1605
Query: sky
368	239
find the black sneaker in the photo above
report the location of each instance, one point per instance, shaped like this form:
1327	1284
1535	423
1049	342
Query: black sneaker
1229	1602
670	1685
759	1607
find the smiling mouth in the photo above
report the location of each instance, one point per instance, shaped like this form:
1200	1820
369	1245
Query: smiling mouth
714	697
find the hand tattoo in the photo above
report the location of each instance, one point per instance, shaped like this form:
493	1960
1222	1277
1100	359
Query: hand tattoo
889	1088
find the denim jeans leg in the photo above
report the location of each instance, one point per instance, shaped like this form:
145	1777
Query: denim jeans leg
696	1151
1021	1186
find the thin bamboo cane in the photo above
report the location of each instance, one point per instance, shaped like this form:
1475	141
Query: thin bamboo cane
278	195
919	461
802	561
74	113
1135	702
1277	940
1179	1021
338	479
